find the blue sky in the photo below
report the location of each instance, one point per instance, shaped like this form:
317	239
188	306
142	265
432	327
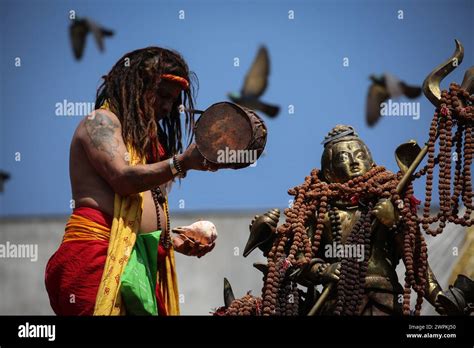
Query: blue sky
307	71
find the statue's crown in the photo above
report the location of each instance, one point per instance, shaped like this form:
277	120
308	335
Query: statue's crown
338	132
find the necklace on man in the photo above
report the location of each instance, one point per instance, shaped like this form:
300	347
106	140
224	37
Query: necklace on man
160	199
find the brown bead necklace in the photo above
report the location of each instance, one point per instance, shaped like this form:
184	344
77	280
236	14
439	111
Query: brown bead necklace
160	199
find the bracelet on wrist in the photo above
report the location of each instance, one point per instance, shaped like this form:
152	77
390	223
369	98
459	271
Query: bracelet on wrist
178	167
173	169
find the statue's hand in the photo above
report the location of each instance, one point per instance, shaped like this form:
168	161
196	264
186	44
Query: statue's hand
326	272
385	212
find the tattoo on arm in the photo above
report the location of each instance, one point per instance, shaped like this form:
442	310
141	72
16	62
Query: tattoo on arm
101	129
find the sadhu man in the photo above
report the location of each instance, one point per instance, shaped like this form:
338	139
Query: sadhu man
122	158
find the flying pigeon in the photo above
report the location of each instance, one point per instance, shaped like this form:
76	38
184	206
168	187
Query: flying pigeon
255	84
4	176
78	31
383	88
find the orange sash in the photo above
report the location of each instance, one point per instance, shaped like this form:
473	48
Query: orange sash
81	228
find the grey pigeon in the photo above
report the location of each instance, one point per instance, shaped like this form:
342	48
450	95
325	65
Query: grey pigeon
78	31
383	88
255	85
4	176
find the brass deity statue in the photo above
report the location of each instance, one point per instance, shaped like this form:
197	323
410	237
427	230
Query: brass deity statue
352	221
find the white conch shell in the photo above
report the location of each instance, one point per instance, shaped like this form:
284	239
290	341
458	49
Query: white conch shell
203	232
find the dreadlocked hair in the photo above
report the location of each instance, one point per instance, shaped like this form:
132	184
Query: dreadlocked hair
294	246
124	89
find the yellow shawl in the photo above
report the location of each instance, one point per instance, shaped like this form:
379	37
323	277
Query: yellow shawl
123	234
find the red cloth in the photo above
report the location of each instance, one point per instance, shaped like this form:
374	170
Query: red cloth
159	297
157	151
95	215
73	276
74	272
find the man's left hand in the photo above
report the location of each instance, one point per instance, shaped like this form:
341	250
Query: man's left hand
187	246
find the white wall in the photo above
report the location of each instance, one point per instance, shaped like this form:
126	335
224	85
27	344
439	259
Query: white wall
22	288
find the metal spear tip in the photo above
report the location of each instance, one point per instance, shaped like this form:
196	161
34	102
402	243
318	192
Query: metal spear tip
431	85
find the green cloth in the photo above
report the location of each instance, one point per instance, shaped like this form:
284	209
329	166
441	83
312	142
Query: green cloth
138	281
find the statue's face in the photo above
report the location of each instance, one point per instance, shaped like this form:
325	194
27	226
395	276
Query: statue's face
349	159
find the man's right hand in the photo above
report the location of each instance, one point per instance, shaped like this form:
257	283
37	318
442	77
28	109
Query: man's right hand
193	159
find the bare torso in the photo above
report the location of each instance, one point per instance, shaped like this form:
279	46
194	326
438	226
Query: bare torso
89	189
